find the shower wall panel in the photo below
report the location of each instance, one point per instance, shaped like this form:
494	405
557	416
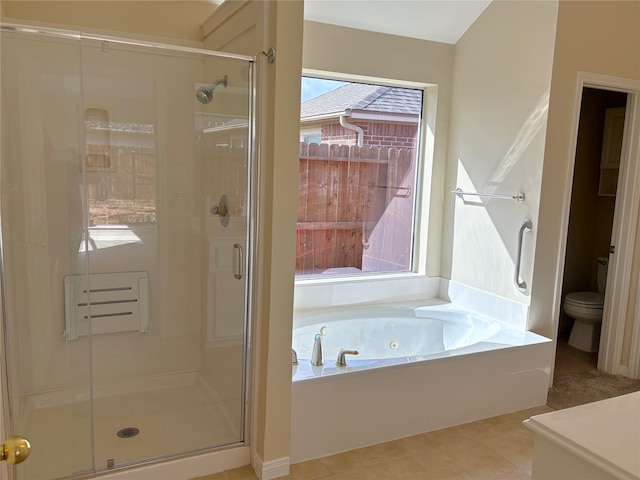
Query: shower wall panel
42	208
42	226
149	102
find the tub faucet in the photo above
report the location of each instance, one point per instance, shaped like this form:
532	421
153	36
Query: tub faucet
342	360
294	357
316	355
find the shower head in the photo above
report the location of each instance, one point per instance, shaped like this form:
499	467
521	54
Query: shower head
205	94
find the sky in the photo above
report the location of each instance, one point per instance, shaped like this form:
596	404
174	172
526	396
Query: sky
314	87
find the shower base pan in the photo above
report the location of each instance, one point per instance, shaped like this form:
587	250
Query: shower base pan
133	422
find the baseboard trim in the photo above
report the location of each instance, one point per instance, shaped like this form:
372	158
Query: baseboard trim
270	470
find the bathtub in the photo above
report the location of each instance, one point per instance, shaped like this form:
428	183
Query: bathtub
419	368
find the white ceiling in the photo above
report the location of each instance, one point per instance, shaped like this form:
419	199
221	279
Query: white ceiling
436	20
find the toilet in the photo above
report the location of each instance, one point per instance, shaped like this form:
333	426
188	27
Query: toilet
586	309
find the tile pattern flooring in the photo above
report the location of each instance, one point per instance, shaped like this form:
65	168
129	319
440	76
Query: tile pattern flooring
492	449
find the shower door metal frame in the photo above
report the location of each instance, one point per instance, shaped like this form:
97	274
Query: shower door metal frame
253	179
252	182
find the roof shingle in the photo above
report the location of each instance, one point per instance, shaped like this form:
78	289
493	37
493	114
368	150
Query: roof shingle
362	96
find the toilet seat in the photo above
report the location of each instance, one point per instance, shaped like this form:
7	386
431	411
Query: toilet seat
593	300
584	306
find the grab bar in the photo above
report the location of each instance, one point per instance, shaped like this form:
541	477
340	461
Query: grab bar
525	227
238	247
518	197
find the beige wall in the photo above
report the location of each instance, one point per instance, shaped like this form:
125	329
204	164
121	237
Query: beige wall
634	303
502	76
250	30
179	20
595	37
281	148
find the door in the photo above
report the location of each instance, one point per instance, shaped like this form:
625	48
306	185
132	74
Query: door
593	195
619	352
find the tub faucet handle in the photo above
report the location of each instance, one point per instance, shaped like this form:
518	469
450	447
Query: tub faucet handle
342	359
294	357
316	354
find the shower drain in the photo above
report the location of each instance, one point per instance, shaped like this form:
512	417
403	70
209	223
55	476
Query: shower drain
128	432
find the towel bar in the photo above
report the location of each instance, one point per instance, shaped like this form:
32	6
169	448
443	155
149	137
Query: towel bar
518	197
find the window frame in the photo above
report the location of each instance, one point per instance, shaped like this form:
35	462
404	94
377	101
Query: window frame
317	291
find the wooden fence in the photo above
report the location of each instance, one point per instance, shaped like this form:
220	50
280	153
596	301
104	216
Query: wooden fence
121	184
343	192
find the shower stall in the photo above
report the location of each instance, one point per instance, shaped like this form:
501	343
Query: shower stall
126	249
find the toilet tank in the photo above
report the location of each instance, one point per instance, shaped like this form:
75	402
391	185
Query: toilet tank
603	265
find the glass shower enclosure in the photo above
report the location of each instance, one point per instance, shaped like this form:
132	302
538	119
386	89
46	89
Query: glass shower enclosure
125	217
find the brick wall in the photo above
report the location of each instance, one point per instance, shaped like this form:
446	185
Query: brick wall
399	135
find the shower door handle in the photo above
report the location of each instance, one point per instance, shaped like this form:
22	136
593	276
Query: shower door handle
15	450
525	227
240	262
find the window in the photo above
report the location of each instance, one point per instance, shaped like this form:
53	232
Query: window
310	136
120	167
357	178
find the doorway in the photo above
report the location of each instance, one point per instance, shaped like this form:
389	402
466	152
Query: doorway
619	351
593	198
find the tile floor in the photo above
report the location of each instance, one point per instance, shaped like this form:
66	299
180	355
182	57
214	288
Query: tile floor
492	449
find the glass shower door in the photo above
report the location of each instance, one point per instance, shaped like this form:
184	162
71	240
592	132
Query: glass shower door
169	372
125	227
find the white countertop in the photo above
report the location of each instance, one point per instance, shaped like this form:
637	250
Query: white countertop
605	434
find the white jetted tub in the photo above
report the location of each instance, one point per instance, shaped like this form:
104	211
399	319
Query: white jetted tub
419	368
